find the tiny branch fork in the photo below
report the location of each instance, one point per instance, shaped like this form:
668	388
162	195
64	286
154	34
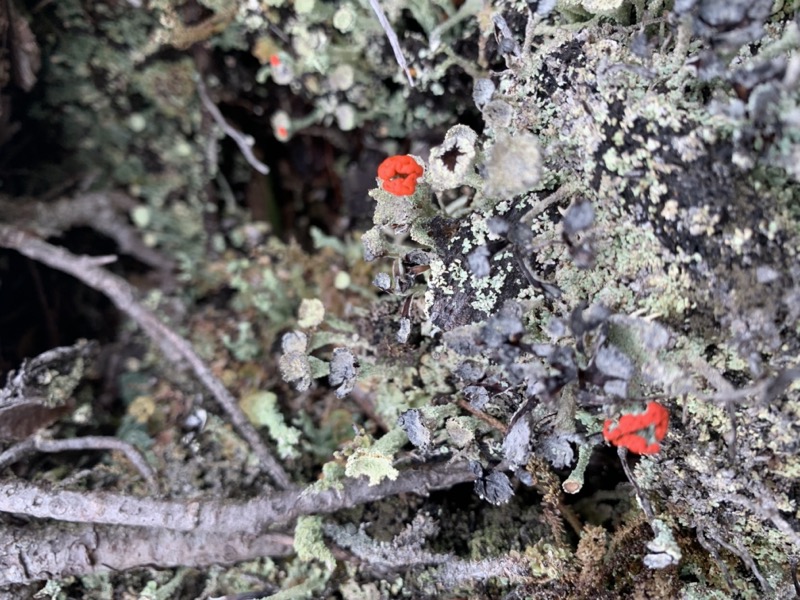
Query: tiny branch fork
224	516
174	347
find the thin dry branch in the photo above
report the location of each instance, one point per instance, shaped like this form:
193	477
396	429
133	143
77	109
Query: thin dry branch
244	141
459	572
393	41
38	444
745	557
644	501
765	390
58	550
174	347
712	550
486	418
20	497
105	212
765	507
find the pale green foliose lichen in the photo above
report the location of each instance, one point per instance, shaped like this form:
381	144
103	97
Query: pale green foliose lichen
309	543
262	410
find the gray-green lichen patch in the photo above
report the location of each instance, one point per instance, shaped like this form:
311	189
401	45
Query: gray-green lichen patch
477	269
513	165
690	228
375	459
309	543
262	410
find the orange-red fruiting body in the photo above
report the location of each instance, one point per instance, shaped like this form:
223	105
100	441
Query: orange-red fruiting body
639	433
399	174
274	60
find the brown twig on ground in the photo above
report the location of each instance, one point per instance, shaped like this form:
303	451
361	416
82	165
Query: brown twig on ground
488	419
58	550
38	444
17	496
174	347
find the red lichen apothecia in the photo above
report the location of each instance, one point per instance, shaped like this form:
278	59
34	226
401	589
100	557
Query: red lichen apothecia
639	433
399	174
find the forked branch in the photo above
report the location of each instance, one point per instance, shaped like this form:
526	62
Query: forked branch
88	269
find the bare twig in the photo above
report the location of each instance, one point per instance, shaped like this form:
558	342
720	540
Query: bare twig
644	502
57	550
765	390
712	550
486	418
105	212
244	141
745	557
765	507
38	444
458	572
173	345
17	496
17	452
393	41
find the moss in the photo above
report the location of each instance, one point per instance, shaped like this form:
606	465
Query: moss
547	562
